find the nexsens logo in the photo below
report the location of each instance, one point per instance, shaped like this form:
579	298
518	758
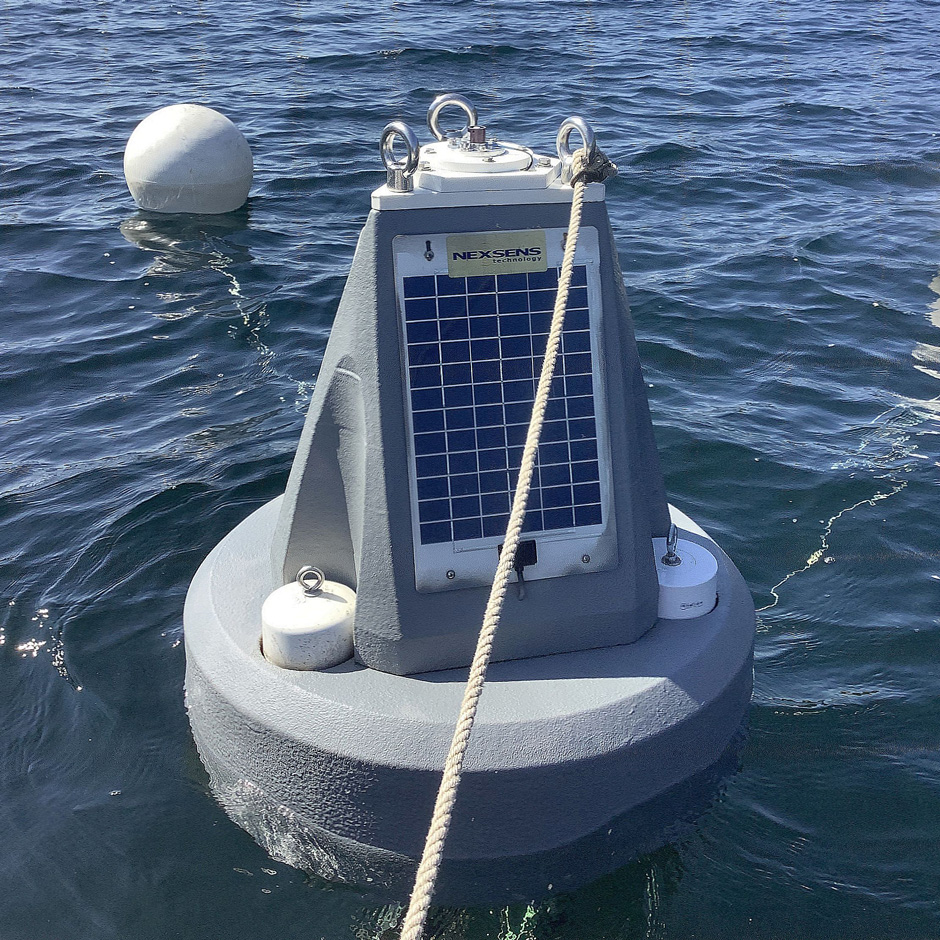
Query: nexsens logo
494	252
497	253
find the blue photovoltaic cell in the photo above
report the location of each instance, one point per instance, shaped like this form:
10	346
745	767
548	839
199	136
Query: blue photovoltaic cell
474	348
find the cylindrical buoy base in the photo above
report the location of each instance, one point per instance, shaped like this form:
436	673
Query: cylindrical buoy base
335	771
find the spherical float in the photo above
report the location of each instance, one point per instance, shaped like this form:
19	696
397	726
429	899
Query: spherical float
188	158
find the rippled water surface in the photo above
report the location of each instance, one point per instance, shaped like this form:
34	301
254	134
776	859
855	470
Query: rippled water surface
778	217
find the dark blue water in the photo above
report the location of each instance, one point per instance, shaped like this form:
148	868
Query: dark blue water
778	216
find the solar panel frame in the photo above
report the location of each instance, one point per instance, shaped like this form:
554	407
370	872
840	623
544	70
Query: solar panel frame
471	352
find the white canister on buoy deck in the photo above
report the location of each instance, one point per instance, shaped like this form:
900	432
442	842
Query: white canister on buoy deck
688	588
308	624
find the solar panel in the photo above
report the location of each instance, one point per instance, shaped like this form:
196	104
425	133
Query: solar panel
473	348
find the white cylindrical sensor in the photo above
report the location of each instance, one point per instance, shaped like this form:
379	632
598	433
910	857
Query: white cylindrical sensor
690	588
303	630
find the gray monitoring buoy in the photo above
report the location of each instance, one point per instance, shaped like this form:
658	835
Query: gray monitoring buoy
188	158
621	672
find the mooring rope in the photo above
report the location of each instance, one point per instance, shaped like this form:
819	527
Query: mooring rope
443	807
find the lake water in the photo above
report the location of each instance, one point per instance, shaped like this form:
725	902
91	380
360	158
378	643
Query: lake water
778	219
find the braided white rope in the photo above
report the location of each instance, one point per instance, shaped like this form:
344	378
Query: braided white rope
443	807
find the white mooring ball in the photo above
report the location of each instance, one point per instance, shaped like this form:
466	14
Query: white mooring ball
188	158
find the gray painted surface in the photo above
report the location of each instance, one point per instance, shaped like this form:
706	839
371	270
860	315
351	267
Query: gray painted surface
598	721
290	836
337	770
347	505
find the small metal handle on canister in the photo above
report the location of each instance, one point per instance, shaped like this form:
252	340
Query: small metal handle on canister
400	170
671	557
443	101
311	580
565	153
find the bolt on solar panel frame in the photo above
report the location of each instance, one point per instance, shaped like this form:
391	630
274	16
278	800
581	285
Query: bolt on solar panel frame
468	385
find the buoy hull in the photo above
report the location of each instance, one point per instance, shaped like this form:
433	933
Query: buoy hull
292	836
579	761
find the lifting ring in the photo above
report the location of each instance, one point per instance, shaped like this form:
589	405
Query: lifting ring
311	580
574	123
443	101
409	163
